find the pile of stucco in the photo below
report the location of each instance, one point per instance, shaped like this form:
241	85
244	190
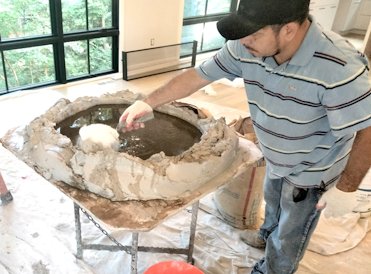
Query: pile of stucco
116	175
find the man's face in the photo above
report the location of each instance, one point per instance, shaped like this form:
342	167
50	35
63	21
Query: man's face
263	43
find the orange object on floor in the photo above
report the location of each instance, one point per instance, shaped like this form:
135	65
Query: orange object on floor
173	267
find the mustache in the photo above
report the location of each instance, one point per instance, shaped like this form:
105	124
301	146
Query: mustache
249	48
278	50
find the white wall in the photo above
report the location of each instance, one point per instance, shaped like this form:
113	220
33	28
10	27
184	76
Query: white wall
324	12
367	43
352	16
150	23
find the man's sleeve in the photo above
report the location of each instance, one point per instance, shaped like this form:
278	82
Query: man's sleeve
348	106
224	64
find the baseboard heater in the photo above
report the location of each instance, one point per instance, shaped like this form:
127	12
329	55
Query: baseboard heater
146	62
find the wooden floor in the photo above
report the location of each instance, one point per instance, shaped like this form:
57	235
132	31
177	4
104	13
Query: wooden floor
218	93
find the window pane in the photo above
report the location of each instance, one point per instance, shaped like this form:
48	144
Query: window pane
194	8
19	18
74	15
193	32
24	22
2	78
212	38
186	50
76	59
218	6
29	66
101	54
100	14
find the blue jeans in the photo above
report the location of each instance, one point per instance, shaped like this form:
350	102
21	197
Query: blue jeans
289	222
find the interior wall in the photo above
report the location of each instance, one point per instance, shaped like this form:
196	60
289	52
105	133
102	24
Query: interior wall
352	16
150	23
367	42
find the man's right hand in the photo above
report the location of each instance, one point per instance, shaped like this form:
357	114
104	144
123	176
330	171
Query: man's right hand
135	116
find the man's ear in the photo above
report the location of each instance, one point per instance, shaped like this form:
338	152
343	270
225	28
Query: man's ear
290	30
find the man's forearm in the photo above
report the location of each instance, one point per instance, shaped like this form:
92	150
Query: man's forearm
359	162
181	86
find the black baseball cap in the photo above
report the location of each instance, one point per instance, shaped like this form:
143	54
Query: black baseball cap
253	15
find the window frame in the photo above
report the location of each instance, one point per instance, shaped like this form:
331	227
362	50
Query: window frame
57	40
208	18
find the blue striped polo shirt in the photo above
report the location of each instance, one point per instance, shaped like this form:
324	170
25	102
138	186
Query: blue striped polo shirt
305	111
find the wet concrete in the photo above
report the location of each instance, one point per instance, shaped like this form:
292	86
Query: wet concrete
163	133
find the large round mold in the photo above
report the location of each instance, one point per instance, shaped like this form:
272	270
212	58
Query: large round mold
119	176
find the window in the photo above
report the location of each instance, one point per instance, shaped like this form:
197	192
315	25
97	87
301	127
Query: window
27	66
56	41
199	22
23	19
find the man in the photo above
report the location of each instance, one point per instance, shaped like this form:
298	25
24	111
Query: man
5	195
310	103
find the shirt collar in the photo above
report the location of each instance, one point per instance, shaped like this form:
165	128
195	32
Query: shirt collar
308	46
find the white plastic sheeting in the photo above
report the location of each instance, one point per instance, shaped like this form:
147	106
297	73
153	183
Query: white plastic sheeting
37	232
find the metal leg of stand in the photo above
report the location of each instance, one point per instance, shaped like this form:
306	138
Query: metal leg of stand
79	252
133	250
192	232
134	253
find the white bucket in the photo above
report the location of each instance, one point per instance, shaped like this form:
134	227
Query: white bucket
239	201
363	195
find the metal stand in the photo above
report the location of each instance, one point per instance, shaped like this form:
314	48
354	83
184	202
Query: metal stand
134	248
